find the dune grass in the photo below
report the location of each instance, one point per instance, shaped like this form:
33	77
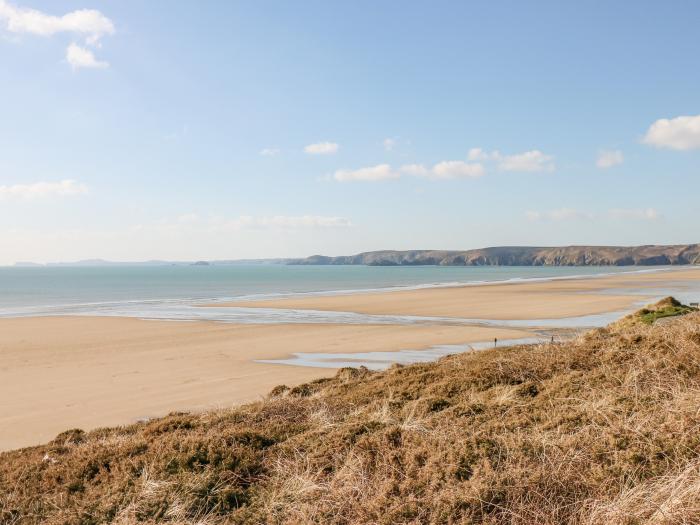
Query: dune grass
601	429
668	307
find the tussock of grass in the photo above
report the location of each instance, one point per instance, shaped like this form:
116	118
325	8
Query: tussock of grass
602	429
668	307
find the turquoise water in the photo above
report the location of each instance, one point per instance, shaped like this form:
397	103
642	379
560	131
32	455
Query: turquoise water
69	286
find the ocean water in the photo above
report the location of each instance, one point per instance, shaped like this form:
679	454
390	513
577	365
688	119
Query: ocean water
174	292
383	360
101	290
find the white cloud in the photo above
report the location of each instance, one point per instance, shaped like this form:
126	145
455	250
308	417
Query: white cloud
416	170
680	133
447	169
79	57
88	23
481	155
608	159
560	214
270	152
39	190
529	161
476	154
389	144
322	148
564	214
456	169
644	213
371	174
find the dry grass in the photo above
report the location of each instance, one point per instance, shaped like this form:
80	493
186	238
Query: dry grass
602	429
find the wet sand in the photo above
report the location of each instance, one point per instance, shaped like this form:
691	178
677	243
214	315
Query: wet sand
58	373
529	300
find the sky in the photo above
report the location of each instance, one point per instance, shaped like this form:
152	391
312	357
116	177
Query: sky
182	130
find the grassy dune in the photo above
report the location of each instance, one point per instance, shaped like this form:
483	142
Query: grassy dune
602	429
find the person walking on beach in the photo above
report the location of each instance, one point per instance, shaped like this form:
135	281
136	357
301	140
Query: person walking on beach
495	342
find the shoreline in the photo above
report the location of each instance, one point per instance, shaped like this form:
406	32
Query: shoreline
495	301
92	371
47	310
452	284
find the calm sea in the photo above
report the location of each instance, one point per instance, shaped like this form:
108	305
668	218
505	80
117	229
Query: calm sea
137	290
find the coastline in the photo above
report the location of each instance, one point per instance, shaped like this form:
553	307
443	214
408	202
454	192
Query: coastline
139	307
514	300
429	286
93	371
90	372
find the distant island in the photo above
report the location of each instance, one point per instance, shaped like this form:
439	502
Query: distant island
649	255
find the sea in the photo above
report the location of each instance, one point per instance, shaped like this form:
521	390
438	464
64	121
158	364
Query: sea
142	291
177	292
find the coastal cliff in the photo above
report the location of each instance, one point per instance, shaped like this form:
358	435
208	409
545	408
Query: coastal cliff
649	255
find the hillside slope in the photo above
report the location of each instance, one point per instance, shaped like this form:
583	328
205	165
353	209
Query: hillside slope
523	256
601	429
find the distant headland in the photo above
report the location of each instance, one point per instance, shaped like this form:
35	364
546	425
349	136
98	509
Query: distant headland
649	255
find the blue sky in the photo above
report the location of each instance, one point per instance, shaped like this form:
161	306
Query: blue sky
200	130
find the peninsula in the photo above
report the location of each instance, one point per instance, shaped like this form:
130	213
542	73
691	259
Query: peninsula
648	255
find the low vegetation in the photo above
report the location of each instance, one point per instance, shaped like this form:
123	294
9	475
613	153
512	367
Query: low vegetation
603	429
669	307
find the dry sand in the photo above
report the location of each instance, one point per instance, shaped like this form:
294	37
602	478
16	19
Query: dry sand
65	372
534	300
58	373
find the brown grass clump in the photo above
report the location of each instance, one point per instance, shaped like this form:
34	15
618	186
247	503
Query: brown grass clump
665	308
604	429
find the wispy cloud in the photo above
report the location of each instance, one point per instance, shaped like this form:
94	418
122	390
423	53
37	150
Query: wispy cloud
415	170
89	24
389	144
80	57
567	214
369	174
559	214
40	190
270	152
528	161
322	148
634	213
447	169
479	154
609	158
680	133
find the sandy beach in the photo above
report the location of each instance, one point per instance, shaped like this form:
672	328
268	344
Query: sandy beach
551	299
58	373
86	372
